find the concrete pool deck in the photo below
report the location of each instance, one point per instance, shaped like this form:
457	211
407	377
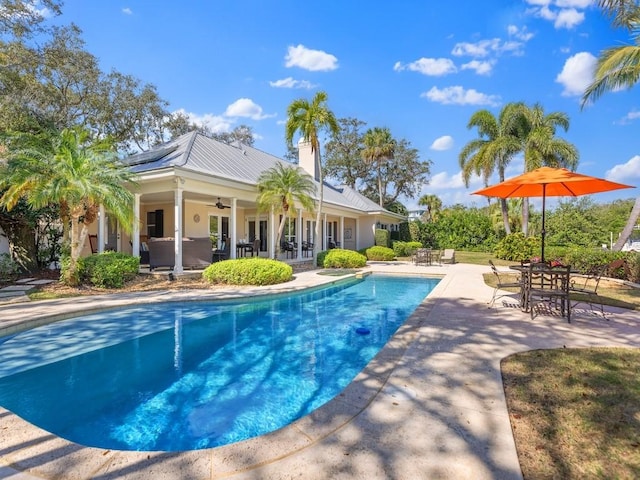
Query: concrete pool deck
430	405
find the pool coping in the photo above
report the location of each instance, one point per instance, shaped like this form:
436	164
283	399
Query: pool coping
46	455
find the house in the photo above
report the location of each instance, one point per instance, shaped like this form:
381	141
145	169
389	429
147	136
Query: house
194	186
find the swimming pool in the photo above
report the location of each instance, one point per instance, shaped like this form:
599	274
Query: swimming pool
195	375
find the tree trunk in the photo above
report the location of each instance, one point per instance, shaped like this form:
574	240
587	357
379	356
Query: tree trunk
316	243
279	234
505	215
628	228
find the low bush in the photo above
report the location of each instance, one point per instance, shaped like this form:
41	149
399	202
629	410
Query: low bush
380	253
405	249
340	258
248	271
516	247
109	269
8	268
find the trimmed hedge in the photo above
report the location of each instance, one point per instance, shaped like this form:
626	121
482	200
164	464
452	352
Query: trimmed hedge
517	247
382	237
248	271
380	253
405	249
108	269
341	258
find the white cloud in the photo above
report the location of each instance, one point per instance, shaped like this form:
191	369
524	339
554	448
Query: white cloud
245	107
216	123
443	180
519	33
626	171
577	73
127	11
443	143
480	67
568	18
629	117
308	59
457	95
563	13
478	49
428	66
289	82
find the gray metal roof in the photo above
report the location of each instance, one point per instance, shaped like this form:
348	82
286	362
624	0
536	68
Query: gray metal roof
199	153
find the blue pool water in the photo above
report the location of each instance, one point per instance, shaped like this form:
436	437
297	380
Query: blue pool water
184	376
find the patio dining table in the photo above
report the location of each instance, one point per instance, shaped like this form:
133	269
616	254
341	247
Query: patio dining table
544	282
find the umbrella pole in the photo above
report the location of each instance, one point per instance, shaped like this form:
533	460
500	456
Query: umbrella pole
544	233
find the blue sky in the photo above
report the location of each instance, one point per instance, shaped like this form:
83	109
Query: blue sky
420	68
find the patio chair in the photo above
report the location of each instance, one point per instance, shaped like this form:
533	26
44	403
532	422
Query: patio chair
421	256
222	253
93	243
256	248
549	286
502	284
448	256
290	248
585	288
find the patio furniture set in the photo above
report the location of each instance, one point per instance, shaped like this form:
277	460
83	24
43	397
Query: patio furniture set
543	284
426	256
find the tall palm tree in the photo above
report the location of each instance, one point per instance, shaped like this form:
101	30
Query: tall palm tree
619	67
279	188
379	146
433	204
493	150
541	146
76	175
309	119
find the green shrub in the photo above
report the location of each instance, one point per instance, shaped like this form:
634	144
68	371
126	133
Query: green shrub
340	258
8	268
248	271
108	269
405	249
380	253
382	238
517	247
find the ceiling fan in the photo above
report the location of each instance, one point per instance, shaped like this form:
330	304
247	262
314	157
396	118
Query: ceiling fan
221	205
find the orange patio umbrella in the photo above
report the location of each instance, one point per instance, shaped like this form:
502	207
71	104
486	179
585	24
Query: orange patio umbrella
549	182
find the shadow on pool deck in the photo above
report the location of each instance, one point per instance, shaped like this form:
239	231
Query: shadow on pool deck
430	405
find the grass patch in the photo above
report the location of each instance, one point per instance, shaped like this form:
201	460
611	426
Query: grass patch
575	413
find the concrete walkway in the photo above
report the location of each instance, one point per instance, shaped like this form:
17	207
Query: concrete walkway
430	405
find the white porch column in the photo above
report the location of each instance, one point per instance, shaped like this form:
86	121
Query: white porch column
299	233
101	224
357	234
135	231
233	227
273	248
177	229
341	232
324	245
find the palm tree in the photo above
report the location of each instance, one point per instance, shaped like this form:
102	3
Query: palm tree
619	67
75	175
496	146
309	119
280	187
541	147
379	146
433	204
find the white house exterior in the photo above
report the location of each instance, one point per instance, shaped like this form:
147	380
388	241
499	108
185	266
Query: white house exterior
181	183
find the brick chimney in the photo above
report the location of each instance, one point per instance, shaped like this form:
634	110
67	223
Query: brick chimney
307	160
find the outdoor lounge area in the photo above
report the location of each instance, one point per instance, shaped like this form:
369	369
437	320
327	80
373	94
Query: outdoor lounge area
438	378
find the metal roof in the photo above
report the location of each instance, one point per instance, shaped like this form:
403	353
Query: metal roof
199	153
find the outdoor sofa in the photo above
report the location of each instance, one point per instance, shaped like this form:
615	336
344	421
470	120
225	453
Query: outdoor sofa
196	252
